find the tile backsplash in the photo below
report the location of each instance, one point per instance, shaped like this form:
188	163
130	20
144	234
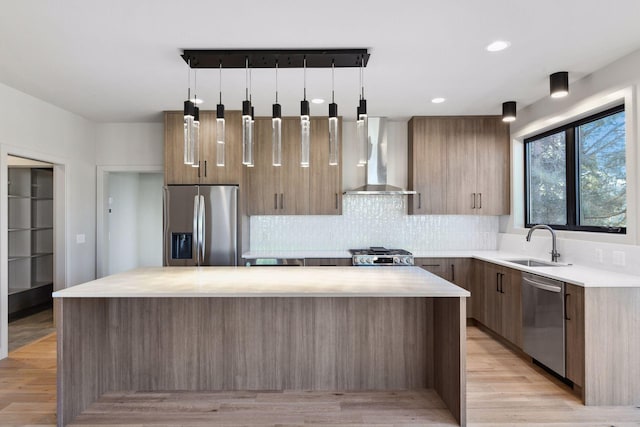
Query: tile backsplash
373	221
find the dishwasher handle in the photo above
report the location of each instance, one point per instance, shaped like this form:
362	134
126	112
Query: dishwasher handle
544	286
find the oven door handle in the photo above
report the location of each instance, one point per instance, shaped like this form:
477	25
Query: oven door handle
543	286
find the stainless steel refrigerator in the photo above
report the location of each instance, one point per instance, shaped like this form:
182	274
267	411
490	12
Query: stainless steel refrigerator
200	225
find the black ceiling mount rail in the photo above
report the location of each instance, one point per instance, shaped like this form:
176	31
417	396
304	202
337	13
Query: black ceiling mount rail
267	58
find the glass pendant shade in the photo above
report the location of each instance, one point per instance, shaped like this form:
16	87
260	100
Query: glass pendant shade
220	135
247	152
188	130
362	133
252	141
276	135
334	134
305	133
195	137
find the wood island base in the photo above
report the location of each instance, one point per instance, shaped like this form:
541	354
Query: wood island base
111	344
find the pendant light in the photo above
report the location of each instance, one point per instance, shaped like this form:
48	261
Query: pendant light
305	123
508	111
559	84
220	127
195	133
362	122
276	128
334	134
189	112
247	152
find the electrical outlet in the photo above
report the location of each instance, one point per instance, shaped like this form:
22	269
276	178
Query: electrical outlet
619	258
599	255
80	238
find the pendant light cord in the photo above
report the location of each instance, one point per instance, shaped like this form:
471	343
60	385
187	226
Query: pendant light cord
220	82
333	79
189	79
305	78
362	78
195	87
276	81
246	78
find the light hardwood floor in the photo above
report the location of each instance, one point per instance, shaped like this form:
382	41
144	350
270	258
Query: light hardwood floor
502	390
31	328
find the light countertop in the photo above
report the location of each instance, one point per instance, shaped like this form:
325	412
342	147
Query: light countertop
157	282
580	275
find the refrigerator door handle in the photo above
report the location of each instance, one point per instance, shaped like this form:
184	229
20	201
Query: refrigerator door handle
196	232
201	225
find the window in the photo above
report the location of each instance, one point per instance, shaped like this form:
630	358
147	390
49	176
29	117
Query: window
576	177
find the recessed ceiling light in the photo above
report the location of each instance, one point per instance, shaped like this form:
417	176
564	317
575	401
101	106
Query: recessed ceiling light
196	101
498	45
317	101
438	100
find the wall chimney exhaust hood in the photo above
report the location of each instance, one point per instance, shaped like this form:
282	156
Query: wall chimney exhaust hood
376	173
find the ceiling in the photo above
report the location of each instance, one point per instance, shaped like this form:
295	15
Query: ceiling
119	60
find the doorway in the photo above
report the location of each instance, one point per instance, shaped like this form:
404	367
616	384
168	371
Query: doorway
131	212
30	248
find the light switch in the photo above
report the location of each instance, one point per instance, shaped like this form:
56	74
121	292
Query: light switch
80	238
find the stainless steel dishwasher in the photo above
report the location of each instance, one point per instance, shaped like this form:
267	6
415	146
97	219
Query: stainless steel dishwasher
543	321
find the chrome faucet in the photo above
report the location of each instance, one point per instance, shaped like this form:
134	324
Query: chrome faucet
554	251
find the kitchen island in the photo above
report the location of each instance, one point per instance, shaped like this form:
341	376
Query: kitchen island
261	328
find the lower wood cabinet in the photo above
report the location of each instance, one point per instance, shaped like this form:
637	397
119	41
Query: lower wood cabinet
574	333
499	300
455	270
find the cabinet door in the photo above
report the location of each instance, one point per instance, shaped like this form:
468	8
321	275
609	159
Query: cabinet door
231	172
574	324
175	171
438	266
461	275
428	138
264	193
493	154
325	187
461	166
492	298
294	196
511	304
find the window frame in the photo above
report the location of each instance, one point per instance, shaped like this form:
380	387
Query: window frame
572	171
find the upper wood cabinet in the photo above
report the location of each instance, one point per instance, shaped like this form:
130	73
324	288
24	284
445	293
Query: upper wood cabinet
459	165
176	172
290	189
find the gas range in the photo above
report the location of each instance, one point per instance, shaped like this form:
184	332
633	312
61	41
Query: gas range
377	255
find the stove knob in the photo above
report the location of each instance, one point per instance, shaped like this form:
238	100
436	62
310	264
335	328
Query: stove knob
397	260
409	260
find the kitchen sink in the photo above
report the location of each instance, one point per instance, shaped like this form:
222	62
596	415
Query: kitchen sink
528	262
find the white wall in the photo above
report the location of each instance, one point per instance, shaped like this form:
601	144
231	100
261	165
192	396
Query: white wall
617	82
33	128
129	144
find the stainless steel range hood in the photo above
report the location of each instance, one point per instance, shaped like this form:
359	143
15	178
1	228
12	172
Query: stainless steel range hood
377	163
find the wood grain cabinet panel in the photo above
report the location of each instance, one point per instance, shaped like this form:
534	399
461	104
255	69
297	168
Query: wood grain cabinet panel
264	179
291	189
499	302
574	333
456	270
176	172
427	165
325	181
459	165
